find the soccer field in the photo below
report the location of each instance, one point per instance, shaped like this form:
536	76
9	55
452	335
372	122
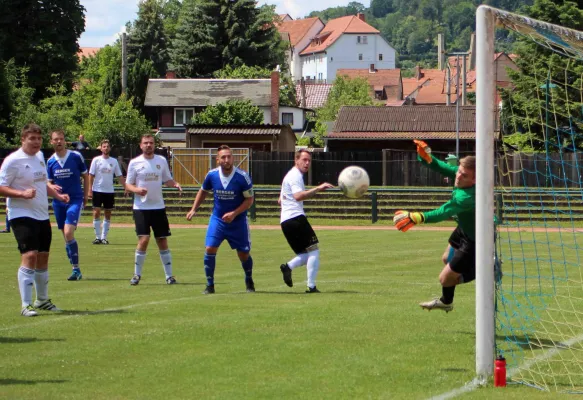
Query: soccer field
364	336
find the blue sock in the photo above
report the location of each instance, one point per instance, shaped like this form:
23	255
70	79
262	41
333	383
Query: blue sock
73	251
248	268
209	268
68	252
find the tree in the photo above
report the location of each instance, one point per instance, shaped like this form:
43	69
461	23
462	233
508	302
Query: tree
119	123
170	13
235	112
42	35
212	34
147	39
345	92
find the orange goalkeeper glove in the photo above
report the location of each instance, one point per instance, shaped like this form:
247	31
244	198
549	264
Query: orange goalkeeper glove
405	220
423	150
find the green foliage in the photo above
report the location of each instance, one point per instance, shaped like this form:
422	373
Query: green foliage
170	13
352	8
345	92
237	112
42	35
287	91
120	123
212	34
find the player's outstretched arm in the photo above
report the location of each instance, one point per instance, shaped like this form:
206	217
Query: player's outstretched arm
307	194
405	220
200	196
173	184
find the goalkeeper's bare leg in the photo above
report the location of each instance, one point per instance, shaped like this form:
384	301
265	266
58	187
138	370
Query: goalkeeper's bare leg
448	279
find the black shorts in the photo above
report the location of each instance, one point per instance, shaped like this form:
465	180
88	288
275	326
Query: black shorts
103	200
32	234
299	234
155	219
464	255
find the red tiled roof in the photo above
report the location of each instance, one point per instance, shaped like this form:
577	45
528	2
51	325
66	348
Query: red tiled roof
400	135
334	29
298	28
316	94
382	77
87	51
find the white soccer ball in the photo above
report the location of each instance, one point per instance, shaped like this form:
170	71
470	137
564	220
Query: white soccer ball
353	181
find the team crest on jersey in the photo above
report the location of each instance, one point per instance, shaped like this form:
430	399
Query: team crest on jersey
158	166
42	164
110	165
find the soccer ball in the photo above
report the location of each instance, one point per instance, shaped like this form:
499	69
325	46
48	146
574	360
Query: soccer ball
353	181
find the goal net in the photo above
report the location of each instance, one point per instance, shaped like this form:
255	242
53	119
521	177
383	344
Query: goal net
535	190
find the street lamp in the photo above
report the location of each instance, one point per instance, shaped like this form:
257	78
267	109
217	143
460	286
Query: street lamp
547	86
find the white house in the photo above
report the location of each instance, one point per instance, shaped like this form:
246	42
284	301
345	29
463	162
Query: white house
300	33
345	43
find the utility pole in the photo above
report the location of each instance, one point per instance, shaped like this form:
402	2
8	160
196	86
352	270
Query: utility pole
124	63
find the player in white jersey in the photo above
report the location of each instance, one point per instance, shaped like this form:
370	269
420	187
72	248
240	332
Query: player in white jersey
146	175
294	224
23	180
102	171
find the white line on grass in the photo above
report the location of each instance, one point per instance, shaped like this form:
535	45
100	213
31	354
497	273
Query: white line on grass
473	385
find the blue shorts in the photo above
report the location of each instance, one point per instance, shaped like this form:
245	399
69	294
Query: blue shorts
67	213
237	234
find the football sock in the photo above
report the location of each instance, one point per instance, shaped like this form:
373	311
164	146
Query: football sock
447	294
41	284
298	261
166	258
248	268
106	223
97	228
25	282
209	268
73	251
313	266
139	262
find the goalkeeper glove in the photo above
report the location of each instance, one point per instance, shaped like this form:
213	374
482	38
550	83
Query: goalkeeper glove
423	150
405	220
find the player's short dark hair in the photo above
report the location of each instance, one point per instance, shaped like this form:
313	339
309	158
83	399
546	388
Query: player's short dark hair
57	131
299	153
223	147
28	129
469	162
147	135
104	141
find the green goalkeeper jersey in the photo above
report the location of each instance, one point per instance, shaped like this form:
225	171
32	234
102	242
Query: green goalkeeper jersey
462	206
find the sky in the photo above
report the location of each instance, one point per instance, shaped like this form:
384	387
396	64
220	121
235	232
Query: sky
105	19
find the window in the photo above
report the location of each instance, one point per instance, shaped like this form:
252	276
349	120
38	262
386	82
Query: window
380	57
183	116
287	119
358	39
320	76
331	59
360	57
364	39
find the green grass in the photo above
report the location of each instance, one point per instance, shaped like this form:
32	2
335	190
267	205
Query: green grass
363	337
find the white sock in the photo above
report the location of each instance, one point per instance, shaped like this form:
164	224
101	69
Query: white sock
298	261
106	223
313	267
166	258
97	228
41	284
25	282
140	258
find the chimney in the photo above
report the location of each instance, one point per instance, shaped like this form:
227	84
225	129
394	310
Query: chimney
170	75
361	17
275	97
418	72
441	52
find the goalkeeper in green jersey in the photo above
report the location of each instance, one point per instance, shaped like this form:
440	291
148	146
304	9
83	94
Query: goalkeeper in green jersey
460	255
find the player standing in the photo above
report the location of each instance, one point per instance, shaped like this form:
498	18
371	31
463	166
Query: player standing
294	224
460	264
233	196
65	169
146	175
102	171
23	180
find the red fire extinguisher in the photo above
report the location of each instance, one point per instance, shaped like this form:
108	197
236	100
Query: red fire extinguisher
500	372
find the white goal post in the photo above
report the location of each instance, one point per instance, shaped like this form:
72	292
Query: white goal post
569	45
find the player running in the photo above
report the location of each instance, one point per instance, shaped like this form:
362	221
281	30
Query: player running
460	257
65	169
233	196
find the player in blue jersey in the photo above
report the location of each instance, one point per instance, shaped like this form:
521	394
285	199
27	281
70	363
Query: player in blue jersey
65	170
233	195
